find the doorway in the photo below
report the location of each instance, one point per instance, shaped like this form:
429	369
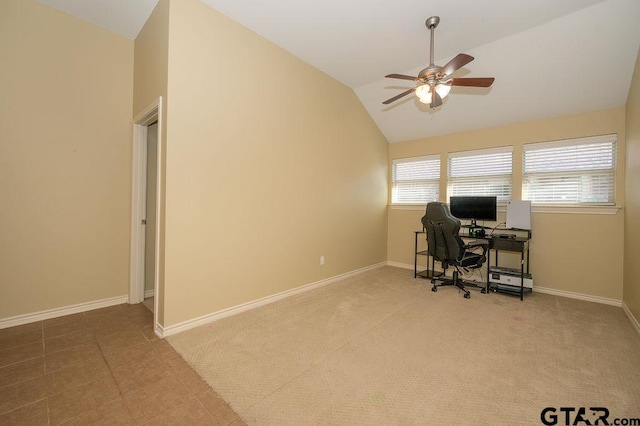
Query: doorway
145	209
150	215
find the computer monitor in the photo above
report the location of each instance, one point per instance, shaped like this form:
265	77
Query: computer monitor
474	207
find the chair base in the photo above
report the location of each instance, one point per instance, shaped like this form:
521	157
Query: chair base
457	282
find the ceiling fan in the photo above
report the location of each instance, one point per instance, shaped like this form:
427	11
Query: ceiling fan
434	82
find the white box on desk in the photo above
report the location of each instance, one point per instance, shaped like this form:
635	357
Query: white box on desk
508	276
519	214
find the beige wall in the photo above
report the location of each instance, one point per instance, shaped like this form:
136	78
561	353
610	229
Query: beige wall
65	136
270	165
151	62
151	57
580	253
632	207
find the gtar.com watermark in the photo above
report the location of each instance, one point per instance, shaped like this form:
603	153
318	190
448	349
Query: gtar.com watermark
595	416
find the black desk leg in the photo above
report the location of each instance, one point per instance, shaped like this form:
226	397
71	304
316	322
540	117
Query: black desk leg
415	257
488	269
522	275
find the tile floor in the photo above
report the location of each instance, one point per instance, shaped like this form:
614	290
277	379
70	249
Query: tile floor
101	367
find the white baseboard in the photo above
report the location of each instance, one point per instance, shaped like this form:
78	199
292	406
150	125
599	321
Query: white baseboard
59	312
149	293
553	291
400	265
158	330
579	296
206	319
196	322
633	319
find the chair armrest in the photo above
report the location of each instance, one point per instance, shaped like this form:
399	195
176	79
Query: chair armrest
473	246
477	244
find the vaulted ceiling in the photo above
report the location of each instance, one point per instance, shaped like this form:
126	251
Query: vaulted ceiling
549	57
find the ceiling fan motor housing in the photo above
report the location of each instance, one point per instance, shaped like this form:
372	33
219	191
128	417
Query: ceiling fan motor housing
429	73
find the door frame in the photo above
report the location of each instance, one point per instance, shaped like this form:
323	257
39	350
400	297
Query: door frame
148	116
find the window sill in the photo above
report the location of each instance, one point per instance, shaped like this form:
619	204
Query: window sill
576	209
606	210
421	207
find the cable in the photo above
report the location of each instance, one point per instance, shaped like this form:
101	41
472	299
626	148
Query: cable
496	227
470	275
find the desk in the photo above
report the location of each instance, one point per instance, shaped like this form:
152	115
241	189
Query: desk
427	273
519	244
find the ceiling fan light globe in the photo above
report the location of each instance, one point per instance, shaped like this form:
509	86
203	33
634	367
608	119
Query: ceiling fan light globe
424	94
443	90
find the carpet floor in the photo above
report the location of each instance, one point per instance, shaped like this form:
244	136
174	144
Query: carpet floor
381	348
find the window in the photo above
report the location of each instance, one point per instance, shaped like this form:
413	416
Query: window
576	171
415	180
481	172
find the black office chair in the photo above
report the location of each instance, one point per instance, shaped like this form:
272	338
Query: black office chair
446	246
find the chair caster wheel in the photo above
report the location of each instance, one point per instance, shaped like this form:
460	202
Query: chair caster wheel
467	296
434	289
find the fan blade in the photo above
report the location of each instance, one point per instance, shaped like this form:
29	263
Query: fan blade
472	82
456	63
436	99
402	77
395	98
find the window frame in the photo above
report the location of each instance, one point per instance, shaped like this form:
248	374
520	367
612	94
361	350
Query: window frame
475	188
432	183
582	176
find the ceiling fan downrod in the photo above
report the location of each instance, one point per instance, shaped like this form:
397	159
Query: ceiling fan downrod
428	75
431	24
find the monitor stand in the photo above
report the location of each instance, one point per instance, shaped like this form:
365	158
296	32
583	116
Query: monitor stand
475	230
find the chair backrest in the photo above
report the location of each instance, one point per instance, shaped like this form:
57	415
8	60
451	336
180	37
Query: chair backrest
443	241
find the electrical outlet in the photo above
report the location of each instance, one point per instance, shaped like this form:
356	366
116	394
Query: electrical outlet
321	260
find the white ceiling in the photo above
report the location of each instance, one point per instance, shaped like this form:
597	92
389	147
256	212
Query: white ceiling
549	57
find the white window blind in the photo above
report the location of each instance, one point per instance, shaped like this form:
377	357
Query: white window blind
481	172
575	171
415	180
